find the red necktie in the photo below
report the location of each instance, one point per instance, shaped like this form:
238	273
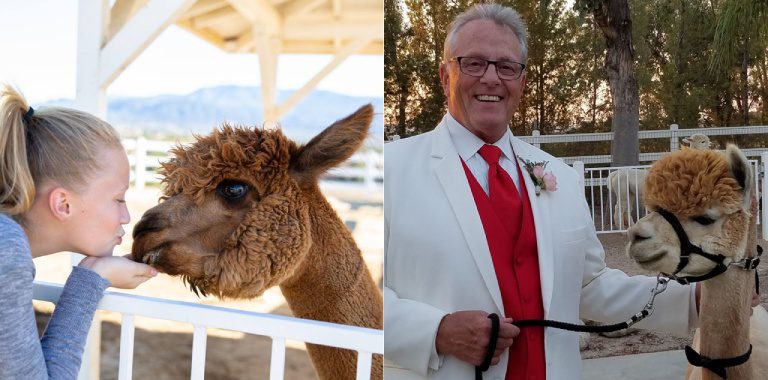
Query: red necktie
501	189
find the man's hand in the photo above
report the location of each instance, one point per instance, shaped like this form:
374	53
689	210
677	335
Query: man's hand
121	272
466	334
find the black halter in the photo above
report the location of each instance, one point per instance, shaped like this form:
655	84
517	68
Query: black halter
687	249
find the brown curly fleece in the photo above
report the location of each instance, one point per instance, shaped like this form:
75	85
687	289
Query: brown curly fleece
690	181
284	232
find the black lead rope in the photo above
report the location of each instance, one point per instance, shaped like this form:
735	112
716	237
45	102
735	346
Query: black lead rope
717	366
491	347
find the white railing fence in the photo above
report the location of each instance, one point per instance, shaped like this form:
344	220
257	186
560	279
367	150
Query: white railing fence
615	208
673	133
365	167
279	328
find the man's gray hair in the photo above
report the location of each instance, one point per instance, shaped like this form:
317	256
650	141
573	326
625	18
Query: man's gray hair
499	14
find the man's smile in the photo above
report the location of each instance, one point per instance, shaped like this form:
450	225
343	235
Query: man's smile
488	98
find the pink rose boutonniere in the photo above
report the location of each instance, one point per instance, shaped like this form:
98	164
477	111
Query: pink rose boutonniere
541	179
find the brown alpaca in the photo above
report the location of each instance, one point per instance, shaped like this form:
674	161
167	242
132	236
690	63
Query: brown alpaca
242	212
710	194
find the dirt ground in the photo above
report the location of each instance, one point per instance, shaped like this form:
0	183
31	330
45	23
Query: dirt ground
643	341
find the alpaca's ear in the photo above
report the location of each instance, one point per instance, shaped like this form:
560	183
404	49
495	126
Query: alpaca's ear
741	170
332	146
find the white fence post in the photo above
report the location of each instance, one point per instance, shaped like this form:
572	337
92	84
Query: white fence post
579	167
674	142
764	161
199	341
127	330
140	165
370	170
277	363
535	134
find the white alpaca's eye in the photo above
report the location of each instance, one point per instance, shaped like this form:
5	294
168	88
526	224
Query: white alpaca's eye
232	190
703	220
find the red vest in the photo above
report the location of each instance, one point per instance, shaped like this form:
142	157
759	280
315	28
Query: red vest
515	261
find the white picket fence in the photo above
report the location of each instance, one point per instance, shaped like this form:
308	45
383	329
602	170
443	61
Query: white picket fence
364	168
279	328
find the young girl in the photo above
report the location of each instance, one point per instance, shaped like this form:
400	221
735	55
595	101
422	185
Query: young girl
63	178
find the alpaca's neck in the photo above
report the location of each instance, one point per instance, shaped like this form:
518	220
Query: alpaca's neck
724	318
334	276
725	310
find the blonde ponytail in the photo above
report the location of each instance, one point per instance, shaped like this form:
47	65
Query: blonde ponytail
51	144
17	188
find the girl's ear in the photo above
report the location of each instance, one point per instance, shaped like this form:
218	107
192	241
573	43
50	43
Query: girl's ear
59	203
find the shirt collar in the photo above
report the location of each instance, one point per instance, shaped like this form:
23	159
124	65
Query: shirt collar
467	144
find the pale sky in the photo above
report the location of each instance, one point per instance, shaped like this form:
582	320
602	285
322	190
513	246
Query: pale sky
38	41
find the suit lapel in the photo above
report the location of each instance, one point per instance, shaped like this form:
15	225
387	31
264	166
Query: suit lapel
540	209
456	187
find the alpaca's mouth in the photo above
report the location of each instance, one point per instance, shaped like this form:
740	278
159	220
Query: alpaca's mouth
646	260
150	258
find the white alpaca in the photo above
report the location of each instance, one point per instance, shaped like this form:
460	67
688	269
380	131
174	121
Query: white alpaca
626	185
698	141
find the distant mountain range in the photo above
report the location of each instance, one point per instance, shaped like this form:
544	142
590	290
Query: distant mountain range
204	109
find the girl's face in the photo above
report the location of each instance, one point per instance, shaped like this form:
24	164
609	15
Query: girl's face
99	211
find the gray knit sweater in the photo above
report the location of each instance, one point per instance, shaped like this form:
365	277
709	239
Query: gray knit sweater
57	355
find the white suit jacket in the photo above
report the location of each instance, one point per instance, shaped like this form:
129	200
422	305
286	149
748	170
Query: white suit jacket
437	261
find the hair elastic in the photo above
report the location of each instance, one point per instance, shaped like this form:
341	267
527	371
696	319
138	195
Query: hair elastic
30	112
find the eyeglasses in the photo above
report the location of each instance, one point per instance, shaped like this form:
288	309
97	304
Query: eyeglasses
476	67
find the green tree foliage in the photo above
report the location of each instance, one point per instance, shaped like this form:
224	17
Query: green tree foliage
675	43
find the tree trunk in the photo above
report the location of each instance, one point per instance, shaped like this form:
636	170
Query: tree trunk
402	101
745	84
613	18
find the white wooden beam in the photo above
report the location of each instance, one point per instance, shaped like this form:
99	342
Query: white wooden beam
121	12
259	11
218	16
90	95
135	36
293	29
300	7
204	6
326	47
299	94
268	49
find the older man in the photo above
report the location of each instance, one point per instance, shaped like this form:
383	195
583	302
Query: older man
468	232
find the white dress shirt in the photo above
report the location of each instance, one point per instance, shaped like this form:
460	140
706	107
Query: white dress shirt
468	145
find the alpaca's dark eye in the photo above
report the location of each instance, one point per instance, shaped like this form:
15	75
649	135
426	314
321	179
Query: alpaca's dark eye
703	220
232	190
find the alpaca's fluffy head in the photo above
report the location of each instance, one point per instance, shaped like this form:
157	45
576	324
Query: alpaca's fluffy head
235	216
709	193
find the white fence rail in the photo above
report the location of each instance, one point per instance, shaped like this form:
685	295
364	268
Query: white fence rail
365	167
279	328
673	133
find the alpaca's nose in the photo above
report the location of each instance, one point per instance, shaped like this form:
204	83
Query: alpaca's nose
148	223
639	232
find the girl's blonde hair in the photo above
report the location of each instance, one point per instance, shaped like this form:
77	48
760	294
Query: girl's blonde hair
54	143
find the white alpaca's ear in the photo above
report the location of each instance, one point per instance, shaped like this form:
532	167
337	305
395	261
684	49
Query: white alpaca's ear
741	171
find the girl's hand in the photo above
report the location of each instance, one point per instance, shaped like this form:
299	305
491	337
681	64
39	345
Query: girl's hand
121	272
